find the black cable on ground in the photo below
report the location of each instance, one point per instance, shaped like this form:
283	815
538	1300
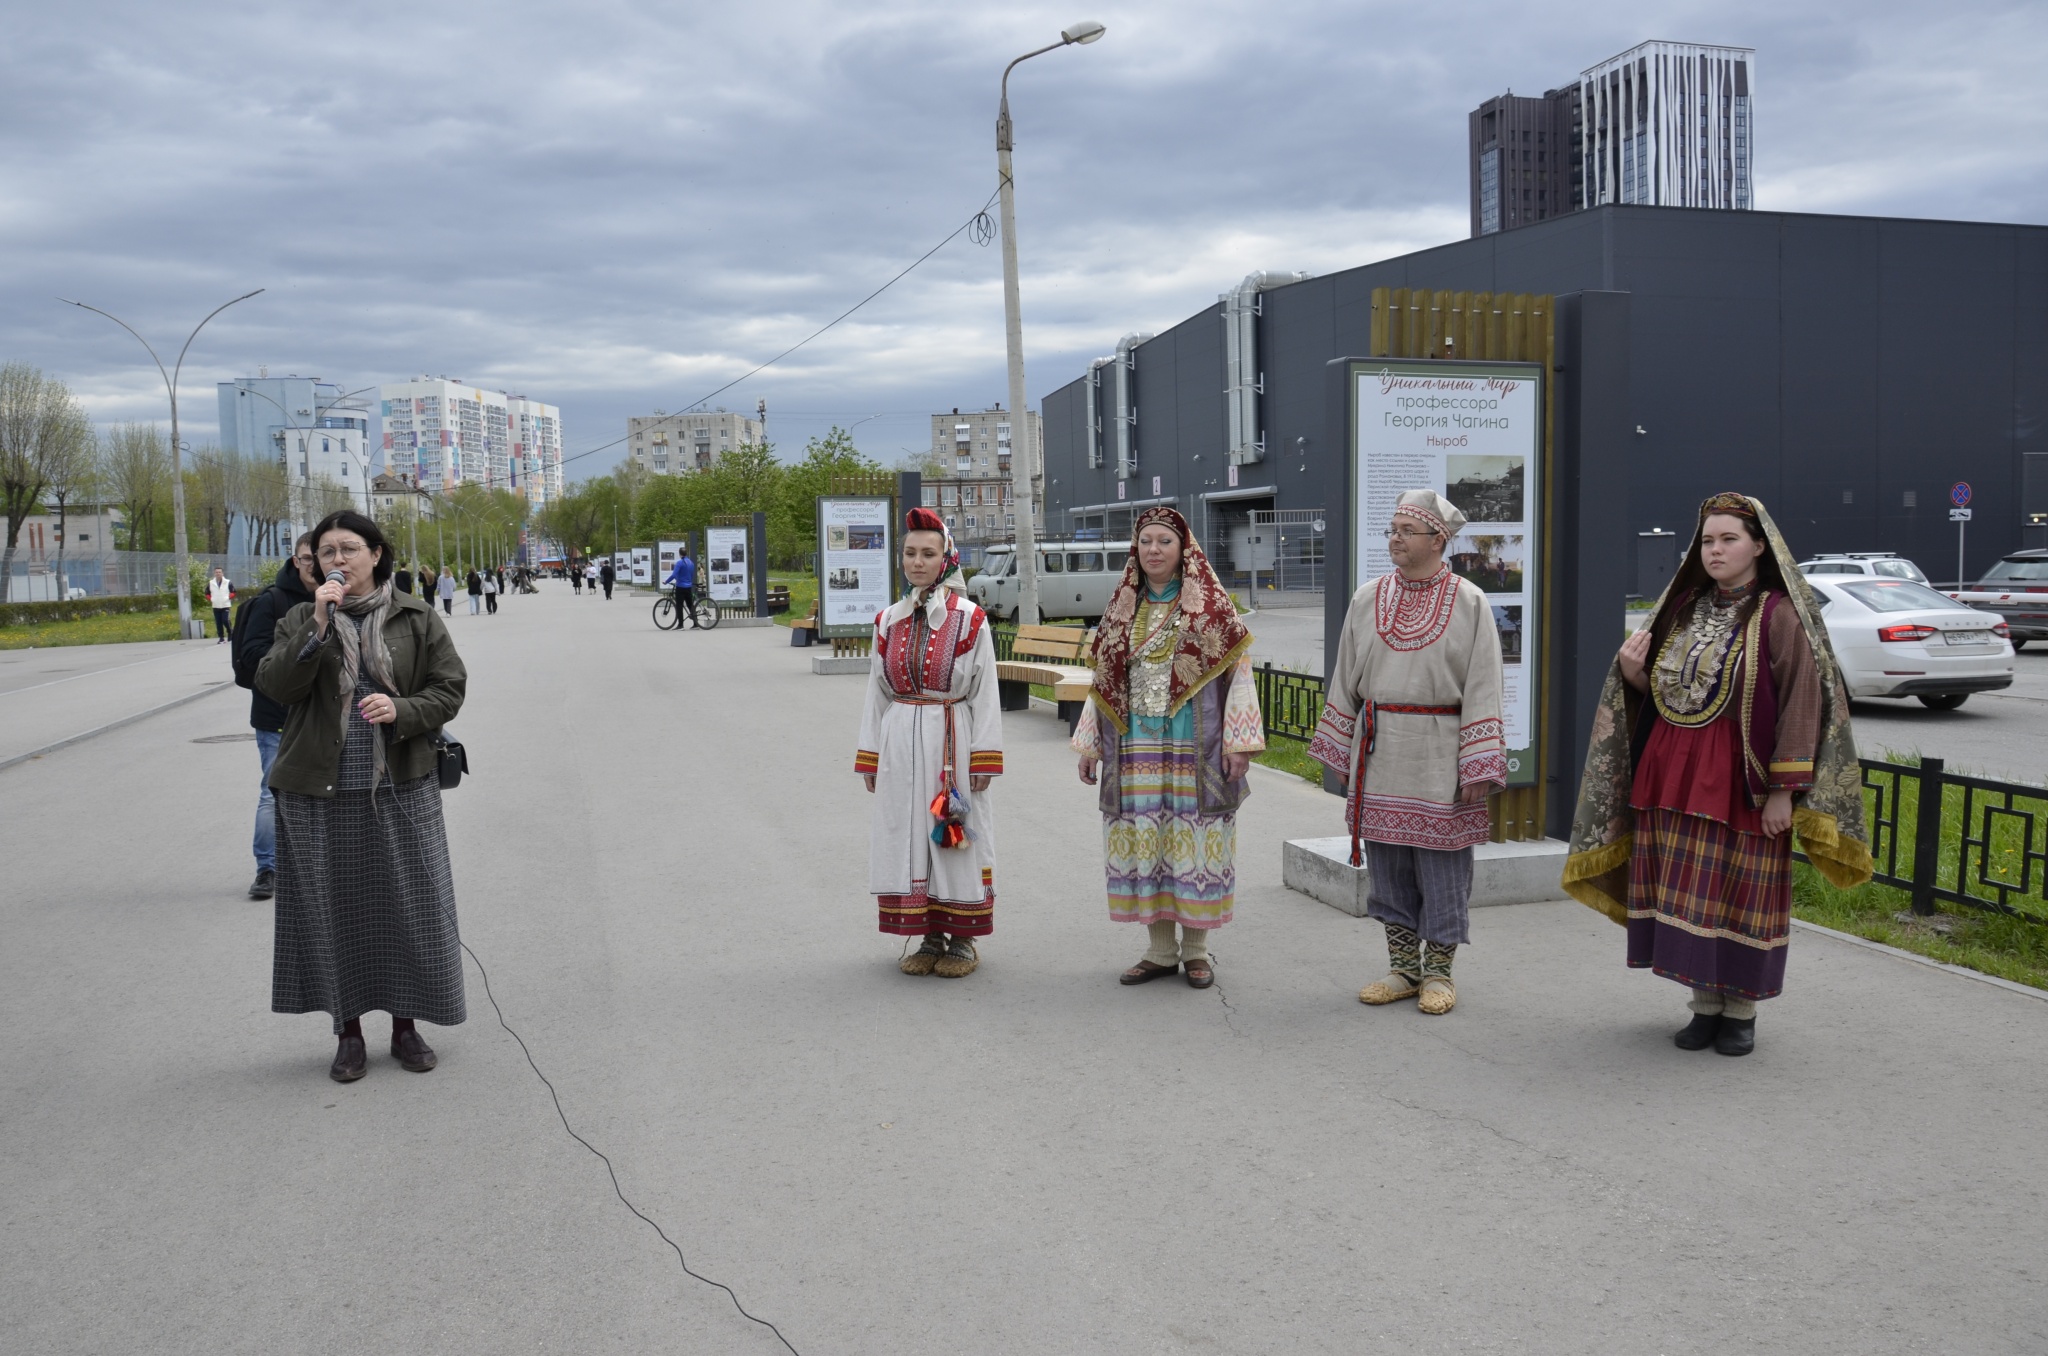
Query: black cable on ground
681	1260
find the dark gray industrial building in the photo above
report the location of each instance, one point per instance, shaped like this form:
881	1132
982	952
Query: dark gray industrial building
1847	370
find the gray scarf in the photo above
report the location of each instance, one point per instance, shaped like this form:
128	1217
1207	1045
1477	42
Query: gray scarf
364	643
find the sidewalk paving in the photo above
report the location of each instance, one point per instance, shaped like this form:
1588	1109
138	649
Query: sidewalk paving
661	857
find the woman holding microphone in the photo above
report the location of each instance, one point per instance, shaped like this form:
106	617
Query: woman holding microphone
365	899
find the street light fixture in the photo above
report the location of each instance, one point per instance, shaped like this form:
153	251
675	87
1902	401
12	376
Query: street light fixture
362	462
185	624
1013	334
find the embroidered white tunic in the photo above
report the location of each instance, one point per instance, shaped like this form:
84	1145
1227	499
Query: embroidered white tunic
1407	645
922	673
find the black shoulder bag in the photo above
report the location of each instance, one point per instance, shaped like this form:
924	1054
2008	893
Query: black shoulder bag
451	760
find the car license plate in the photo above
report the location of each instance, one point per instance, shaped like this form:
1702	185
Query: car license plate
1966	637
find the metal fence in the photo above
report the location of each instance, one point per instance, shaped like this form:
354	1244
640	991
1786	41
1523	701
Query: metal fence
1286	558
35	579
1291	702
1984	847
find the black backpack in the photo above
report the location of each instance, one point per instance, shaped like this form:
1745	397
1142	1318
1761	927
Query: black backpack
238	650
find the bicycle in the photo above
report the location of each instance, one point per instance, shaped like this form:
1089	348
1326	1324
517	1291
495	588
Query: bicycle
669	617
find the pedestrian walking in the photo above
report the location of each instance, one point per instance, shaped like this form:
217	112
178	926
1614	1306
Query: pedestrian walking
590	577
1412	724
401	579
254	631
682	577
575	581
1168	734
446	586
1724	728
607	575
475	584
365	897
491	592
933	714
220	596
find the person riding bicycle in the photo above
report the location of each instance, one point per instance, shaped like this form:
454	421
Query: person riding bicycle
683	576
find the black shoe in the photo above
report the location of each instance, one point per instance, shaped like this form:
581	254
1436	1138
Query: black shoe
411	1051
265	884
351	1061
1736	1037
1699	1032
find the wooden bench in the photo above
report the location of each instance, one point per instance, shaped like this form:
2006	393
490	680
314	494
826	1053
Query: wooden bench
778	598
1038	651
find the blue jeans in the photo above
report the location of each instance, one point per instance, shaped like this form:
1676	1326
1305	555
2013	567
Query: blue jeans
266	808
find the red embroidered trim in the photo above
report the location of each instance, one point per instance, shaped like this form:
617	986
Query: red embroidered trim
935	672
865	761
1411	615
985	761
1480	730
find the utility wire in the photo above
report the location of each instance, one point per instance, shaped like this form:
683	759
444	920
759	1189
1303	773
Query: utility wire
607	1161
983	228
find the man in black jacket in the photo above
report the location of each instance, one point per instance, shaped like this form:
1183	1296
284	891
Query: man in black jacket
295	583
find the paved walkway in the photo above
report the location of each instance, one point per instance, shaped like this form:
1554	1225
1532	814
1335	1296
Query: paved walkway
660	858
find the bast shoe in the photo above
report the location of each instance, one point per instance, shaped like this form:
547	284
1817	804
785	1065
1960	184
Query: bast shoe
921	961
960	960
1395	987
1737	1036
1699	1033
1438	996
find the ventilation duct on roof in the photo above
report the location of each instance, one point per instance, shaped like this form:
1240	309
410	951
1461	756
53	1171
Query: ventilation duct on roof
1245	382
1094	391
1126	361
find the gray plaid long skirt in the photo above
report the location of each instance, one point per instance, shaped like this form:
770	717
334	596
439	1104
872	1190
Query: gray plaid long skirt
366	906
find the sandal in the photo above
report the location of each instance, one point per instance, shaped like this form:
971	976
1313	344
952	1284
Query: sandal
1200	973
921	961
1144	972
960	960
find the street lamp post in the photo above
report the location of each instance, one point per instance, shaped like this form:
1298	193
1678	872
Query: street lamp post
185	623
1013	334
362	463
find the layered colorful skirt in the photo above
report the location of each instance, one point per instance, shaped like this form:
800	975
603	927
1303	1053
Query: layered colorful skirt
1709	894
1166	860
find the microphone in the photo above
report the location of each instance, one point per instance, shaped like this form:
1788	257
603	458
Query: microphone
337	575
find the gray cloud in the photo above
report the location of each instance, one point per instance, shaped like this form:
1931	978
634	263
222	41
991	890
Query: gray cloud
619	207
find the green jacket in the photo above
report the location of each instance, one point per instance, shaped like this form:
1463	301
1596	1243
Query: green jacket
431	683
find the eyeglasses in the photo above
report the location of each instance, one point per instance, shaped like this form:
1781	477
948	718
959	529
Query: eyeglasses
342	550
1406	533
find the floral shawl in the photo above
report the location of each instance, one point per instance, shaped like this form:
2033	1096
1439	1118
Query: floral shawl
1828	818
1211	636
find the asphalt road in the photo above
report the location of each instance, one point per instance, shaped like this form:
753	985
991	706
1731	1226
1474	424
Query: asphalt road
660	857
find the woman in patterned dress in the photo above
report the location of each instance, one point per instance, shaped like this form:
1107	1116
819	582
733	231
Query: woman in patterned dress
933	728
1723	729
365	898
1170	728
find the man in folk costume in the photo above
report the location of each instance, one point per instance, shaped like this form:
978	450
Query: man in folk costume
931	740
1412	722
1722	730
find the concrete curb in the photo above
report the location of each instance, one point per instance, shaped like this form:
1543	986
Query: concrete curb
111	726
1962	970
1502	873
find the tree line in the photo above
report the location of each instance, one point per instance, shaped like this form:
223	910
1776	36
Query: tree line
632	506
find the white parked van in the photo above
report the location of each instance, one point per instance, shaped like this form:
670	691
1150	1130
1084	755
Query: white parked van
1075	579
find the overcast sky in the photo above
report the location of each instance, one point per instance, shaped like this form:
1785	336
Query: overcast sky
618	207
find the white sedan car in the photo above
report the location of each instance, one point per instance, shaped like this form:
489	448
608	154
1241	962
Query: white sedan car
1898	638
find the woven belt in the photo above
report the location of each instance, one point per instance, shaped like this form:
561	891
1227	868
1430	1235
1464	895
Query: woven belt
1370	735
926	701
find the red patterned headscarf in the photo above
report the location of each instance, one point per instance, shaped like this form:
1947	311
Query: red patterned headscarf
922	519
1211	636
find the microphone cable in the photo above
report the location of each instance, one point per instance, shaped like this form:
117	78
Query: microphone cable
614	1172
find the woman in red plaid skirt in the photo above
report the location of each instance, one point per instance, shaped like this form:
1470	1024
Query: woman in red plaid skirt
1734	715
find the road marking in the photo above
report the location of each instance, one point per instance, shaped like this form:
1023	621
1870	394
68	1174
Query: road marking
111	726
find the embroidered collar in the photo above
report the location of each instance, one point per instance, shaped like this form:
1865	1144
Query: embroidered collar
1413	614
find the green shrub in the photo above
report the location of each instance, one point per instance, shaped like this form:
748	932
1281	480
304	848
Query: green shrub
29	614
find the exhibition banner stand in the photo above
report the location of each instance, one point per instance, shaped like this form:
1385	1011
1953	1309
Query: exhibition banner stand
1475	433
856	563
724	571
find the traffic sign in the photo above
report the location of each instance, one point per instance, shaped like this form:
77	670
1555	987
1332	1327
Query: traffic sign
1959	494
1959	515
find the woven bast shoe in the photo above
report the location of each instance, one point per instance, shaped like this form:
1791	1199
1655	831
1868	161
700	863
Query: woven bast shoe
960	960
1395	987
1438	996
921	961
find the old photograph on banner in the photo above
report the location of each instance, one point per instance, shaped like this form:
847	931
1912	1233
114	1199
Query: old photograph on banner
723	571
856	567
1473	432
643	565
665	553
